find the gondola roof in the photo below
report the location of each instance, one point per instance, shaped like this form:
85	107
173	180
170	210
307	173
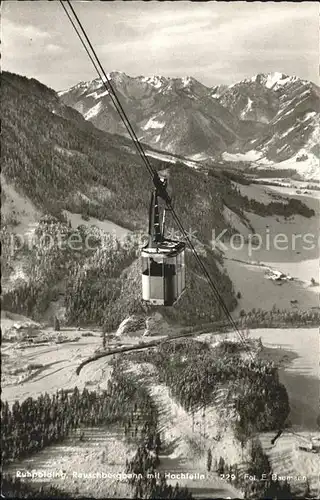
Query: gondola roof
167	246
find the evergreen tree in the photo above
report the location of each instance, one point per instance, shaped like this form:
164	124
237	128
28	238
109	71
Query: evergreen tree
221	466
56	324
307	491
209	460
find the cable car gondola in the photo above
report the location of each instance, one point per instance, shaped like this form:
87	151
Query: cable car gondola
162	259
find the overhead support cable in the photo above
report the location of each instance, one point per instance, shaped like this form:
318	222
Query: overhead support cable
109	87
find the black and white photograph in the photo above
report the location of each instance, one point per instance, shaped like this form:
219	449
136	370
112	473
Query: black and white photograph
160	249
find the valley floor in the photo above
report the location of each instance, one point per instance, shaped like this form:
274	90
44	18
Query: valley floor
249	266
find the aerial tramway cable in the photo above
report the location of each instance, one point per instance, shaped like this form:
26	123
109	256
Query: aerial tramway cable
153	173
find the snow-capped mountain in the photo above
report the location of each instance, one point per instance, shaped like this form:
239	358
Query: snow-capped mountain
177	115
293	132
290	107
249	100
258	98
274	115
273	81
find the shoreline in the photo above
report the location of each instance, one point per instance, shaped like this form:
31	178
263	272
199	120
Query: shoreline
301	383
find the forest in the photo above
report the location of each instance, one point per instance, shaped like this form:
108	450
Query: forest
102	281
145	462
48	258
293	207
69	164
13	487
276	318
37	423
194	372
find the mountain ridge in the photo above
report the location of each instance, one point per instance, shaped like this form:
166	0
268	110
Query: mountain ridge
184	103
274	76
269	113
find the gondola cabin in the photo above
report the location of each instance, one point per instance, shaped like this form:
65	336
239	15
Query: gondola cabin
163	272
162	259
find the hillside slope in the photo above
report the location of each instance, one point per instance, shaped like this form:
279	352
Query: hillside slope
68	167
68	164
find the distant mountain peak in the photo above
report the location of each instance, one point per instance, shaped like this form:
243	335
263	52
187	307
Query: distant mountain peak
188	80
80	85
158	81
155	80
273	80
95	83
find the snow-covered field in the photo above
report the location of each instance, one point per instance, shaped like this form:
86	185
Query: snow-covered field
188	438
298	256
308	169
173	159
250	156
9	320
304	342
260	193
259	292
56	363
153	123
301	376
104	225
305	162
191	437
298	189
18	209
299	372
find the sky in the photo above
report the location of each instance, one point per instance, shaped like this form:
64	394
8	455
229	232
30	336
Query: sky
215	42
